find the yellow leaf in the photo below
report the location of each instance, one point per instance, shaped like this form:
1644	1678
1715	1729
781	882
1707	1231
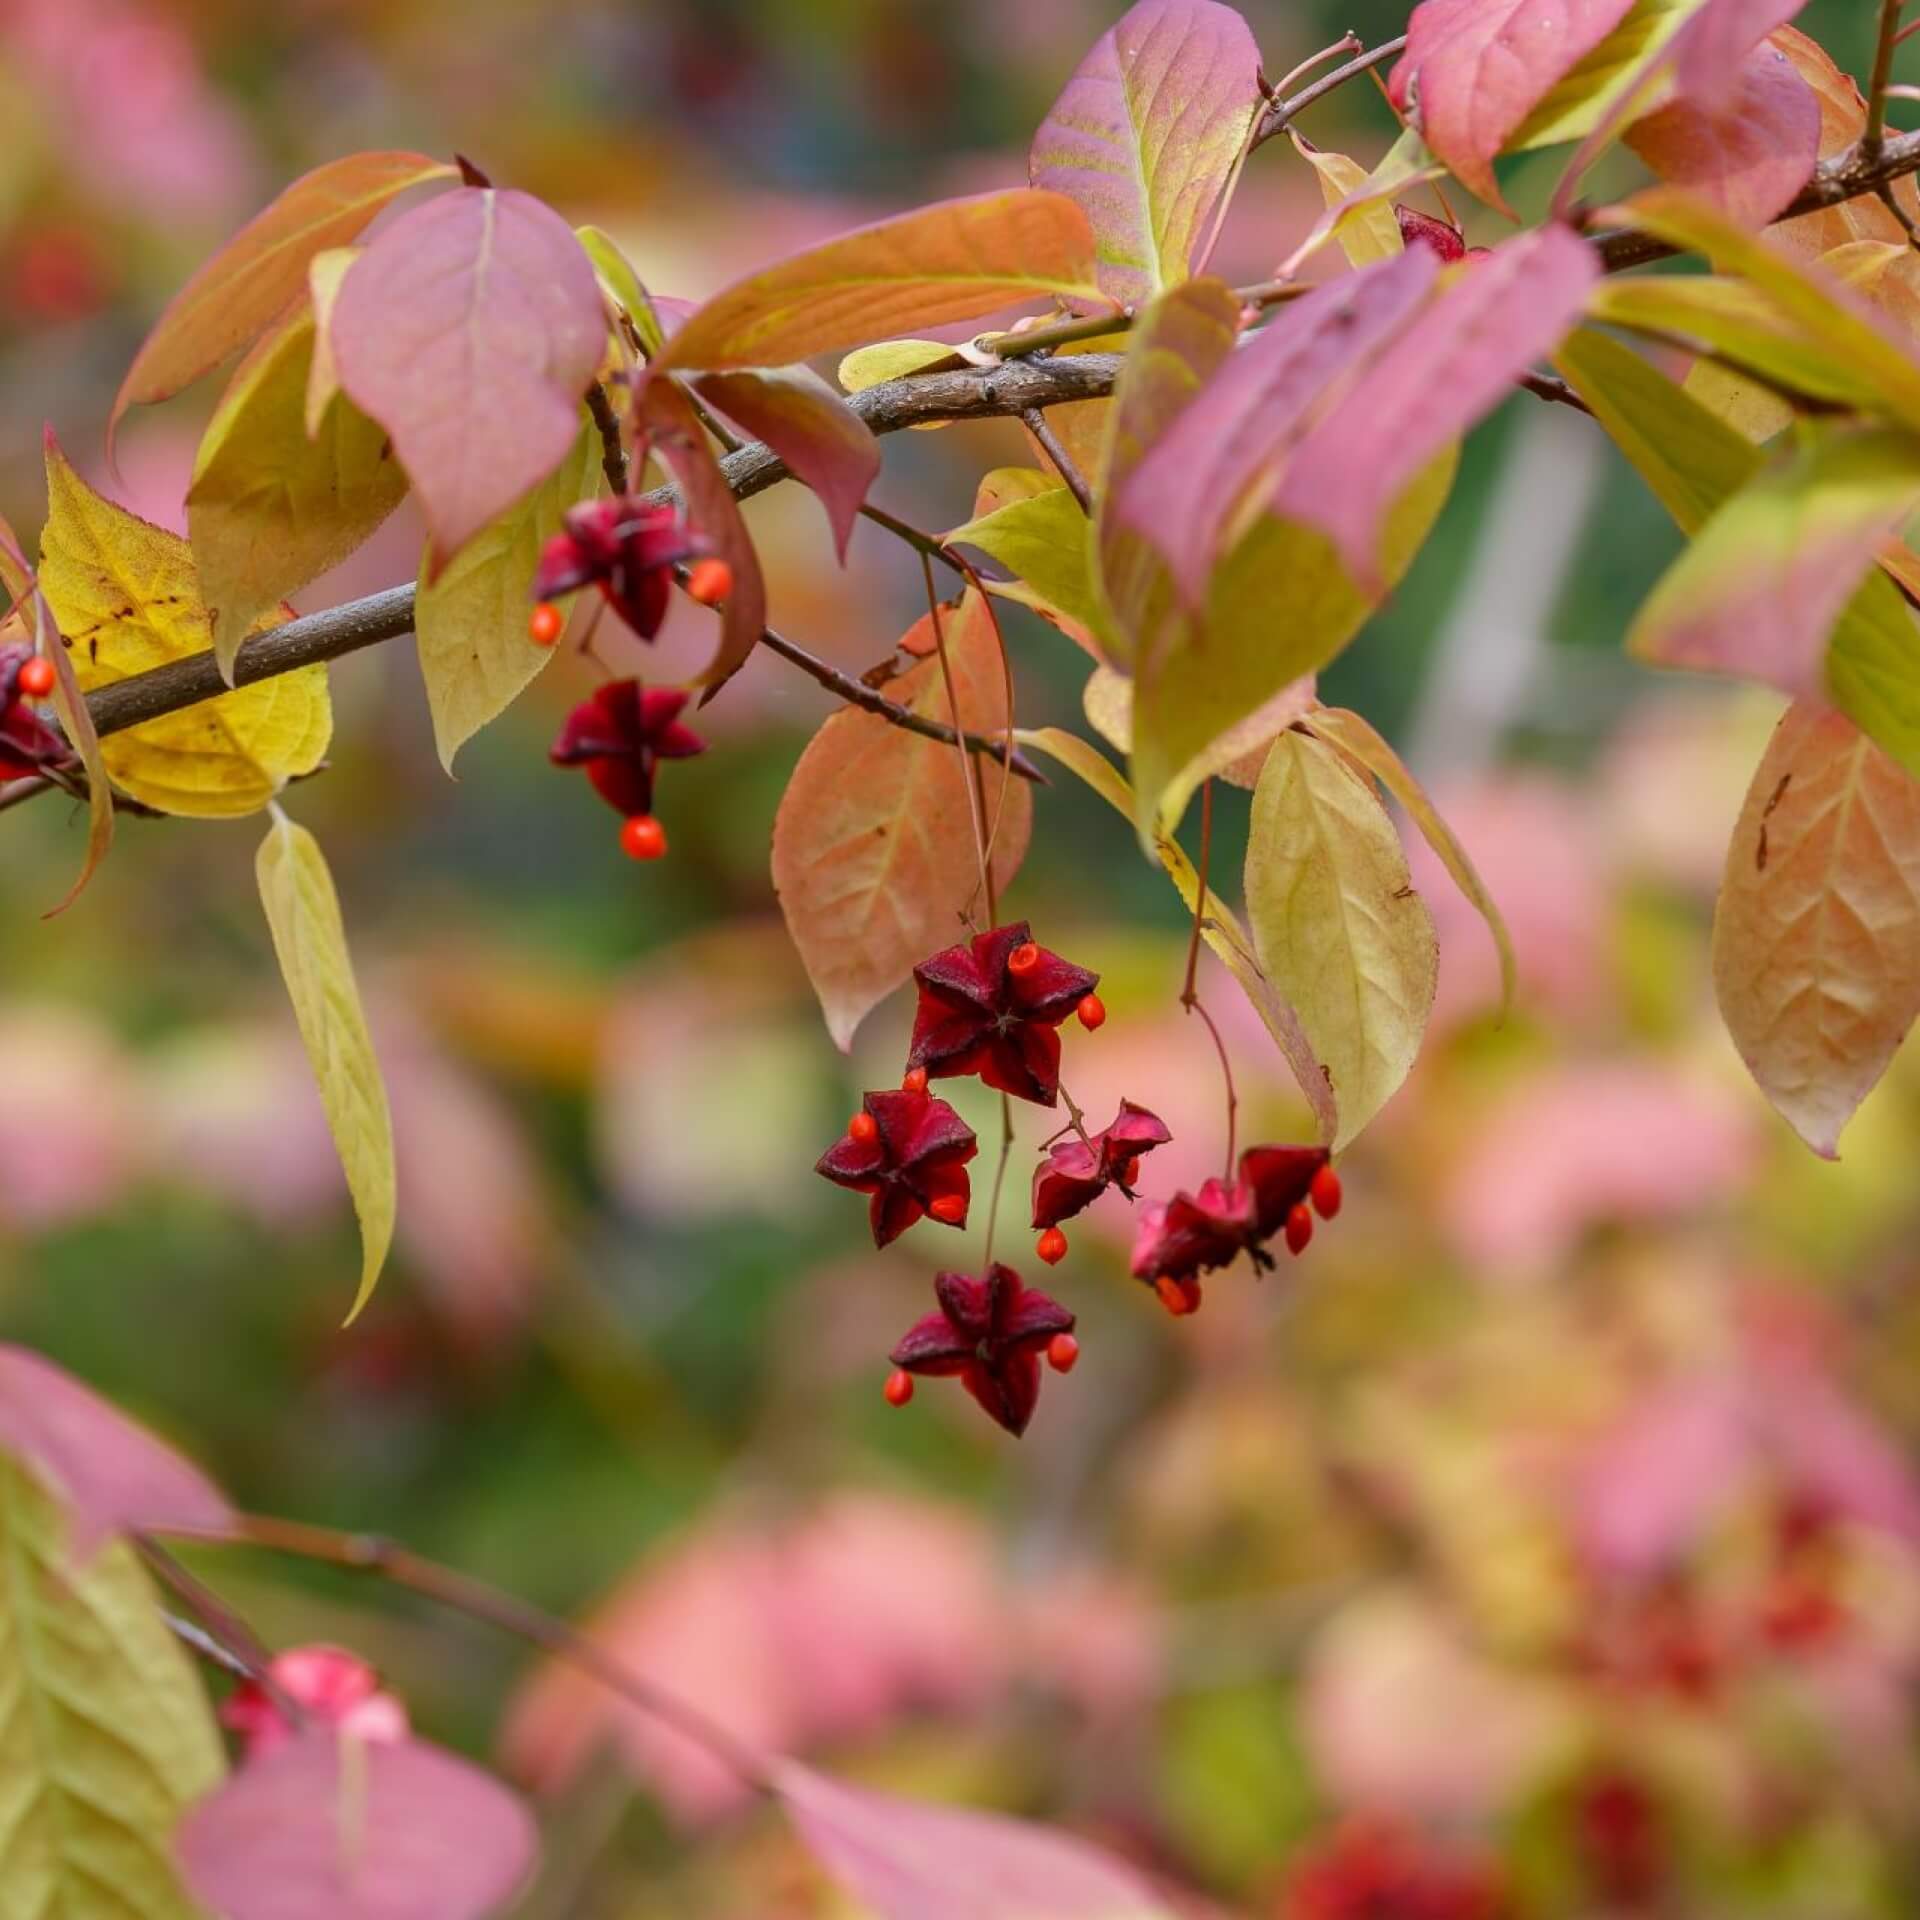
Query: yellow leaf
893	360
1360	743
471	623
873	850
271	508
1336	923
1371	232
1220	927
303	913
126	599
1235	757
1818	923
324	274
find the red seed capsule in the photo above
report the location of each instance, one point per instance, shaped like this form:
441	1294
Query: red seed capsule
914	1080
1299	1228
1092	1013
36	677
1024	958
643	838
1063	1351
545	624
1179	1297
1325	1193
864	1128
950	1209
899	1387
1129	1175
1051	1246
709	581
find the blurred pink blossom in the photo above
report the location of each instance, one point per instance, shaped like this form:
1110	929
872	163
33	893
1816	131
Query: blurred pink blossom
69	1125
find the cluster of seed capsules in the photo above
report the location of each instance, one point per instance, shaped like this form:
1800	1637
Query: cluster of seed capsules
633	552
993	1007
27	744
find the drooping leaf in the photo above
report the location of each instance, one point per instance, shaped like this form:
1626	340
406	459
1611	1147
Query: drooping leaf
1235	757
954	260
332	1827
269	508
1759	590
126	599
1196	477
245	286
1362	743
325	273
1749	156
303	914
666	412
1693	462
1711	59
1436	378
622	285
105	1736
1818	926
1148	136
873	850
1041	538
1825	312
1480	67
471	623
1214	670
827	445
469	329
1373	234
1337	925
1176	346
1597	88
1406	163
1739	322
1220	926
906	1860
109	1475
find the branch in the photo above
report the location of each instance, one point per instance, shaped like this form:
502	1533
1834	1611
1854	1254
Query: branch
1280	114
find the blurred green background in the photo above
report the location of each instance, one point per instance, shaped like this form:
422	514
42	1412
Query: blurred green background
1315	1576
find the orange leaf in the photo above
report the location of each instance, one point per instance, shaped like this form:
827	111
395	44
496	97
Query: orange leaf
873	854
262	268
1817	935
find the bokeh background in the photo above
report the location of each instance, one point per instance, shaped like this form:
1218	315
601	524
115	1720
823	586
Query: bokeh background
1549	1535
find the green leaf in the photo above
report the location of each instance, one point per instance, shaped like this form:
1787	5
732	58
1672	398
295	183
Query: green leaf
471	623
1737	321
105	1736
1337	925
1279	606
1692	461
891	360
270	509
1588	94
1363	745
1042	539
303	913
1826	313
623	286
1220	927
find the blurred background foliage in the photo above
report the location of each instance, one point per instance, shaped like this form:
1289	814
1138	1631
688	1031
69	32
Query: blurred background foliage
1550	1527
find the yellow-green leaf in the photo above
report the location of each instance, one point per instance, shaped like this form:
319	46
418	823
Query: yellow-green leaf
1361	743
1818	923
1580	101
303	913
1405	164
325	272
622	285
1220	926
127	599
1337	925
1042	540
471	623
1373	232
893	360
1235	757
105	1735
270	508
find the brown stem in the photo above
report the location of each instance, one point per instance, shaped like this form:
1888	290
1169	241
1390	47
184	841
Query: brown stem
228	1640
976	802
1281	113
1036	423
1873	135
1189	995
371	1553
613	451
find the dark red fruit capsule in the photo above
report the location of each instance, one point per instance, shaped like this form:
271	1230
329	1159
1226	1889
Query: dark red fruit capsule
1063	1352
1325	1193
1091	1012
899	1387
1299	1228
643	838
1051	1246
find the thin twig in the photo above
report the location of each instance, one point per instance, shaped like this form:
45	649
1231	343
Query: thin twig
1036	423
372	1553
1189	994
1282	113
613	452
976	804
1873	134
222	1635
1349	42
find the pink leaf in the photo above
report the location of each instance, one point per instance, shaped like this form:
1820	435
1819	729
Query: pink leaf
1148	135
1187	484
1748	157
470	329
1476	68
812	429
113	1476
1436	378
332	1828
906	1860
1711	49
